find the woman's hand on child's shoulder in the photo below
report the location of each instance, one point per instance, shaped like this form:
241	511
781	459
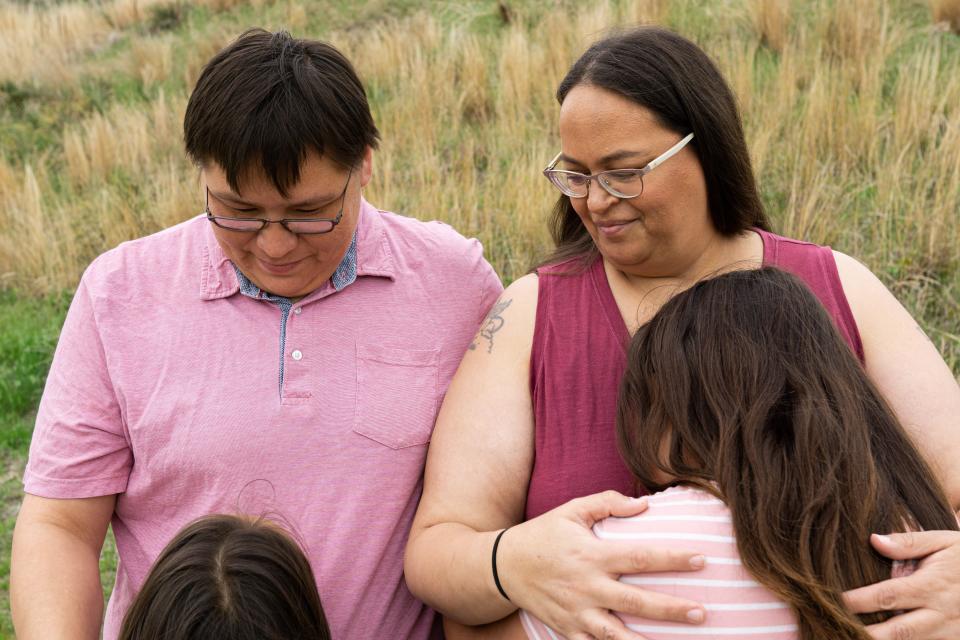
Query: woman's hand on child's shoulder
930	596
557	569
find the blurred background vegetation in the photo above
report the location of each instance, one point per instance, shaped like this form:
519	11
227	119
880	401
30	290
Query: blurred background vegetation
851	108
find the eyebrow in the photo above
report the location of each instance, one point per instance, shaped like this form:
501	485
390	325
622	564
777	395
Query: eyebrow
309	203
616	156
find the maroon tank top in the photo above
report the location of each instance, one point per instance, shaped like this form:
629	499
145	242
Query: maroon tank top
579	355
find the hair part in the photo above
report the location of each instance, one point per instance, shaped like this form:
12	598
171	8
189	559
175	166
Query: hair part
267	99
681	86
764	404
230	578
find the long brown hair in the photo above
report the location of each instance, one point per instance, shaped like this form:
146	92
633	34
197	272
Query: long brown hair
685	91
747	380
229	578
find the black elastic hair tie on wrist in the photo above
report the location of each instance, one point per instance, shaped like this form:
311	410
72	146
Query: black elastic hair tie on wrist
496	578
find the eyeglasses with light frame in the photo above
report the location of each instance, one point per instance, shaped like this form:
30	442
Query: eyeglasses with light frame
296	226
620	183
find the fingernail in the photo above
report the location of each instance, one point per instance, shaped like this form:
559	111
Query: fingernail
698	562
884	539
695	616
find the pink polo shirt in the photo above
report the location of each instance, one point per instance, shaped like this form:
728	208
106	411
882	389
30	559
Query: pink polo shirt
163	390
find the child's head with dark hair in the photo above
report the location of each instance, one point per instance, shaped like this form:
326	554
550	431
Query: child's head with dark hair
229	578
743	386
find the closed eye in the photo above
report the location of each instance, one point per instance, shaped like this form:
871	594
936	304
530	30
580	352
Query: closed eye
623	174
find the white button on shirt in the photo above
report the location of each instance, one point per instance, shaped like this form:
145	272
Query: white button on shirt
297	354
298	310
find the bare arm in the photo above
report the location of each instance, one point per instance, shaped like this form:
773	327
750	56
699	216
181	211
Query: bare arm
478	470
478	466
55	589
922	391
909	372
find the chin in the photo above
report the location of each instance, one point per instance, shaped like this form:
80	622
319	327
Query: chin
623	254
290	292
276	286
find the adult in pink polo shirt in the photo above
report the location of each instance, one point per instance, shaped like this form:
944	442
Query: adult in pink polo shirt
234	363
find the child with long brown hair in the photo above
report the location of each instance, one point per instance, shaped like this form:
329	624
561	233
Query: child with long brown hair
741	390
230	578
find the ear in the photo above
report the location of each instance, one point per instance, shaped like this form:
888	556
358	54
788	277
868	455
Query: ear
366	167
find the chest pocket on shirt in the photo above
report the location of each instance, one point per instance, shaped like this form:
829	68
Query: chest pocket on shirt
396	394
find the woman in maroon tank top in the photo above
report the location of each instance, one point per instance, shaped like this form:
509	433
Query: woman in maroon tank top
657	194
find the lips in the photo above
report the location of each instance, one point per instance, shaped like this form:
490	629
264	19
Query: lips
613	227
278	269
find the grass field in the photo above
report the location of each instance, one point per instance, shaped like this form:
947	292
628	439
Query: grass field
851	108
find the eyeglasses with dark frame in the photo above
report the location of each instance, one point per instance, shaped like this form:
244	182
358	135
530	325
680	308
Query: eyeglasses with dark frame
296	226
620	183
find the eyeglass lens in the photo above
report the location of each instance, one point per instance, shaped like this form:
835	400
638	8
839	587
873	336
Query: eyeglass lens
295	226
622	184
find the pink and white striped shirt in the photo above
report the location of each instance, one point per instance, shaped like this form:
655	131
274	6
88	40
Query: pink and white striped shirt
737	605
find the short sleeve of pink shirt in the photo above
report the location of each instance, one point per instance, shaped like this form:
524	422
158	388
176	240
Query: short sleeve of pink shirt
80	446
164	390
737	605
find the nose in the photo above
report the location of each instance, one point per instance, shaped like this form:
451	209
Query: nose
275	241
598	199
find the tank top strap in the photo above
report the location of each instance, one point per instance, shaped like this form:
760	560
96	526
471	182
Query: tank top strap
816	266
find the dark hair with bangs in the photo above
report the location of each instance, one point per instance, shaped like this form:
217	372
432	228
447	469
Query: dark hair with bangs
267	99
673	78
746	380
230	578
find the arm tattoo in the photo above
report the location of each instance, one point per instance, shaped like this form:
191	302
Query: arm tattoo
491	324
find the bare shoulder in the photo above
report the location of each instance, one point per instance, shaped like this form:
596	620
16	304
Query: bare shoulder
881	319
524	291
854	275
890	334
868	297
511	319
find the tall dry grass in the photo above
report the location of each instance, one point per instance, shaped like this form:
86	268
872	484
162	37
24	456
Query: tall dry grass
47	44
770	19
851	109
39	43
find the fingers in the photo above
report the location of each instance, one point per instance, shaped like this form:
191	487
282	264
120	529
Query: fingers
603	625
914	625
913	544
930	595
625	558
591	509
889	595
576	584
624	598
